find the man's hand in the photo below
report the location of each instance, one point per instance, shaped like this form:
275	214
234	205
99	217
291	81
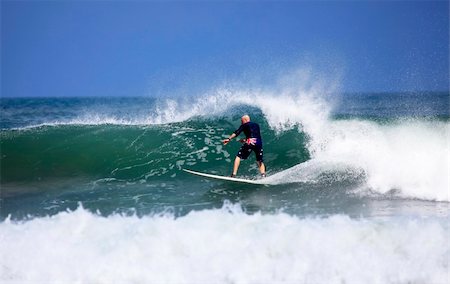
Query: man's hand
226	141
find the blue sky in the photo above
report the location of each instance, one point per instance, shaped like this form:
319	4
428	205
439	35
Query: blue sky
139	48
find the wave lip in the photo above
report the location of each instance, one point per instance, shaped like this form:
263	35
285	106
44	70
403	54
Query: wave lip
223	245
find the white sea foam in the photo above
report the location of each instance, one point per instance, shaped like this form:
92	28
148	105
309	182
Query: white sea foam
411	157
223	246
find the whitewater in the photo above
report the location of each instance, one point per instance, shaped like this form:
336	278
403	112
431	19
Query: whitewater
224	246
92	189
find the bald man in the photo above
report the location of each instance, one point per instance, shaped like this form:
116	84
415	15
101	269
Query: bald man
252	142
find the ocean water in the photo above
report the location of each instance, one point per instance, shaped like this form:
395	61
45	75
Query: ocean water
92	189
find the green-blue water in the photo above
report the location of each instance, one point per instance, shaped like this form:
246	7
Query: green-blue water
113	155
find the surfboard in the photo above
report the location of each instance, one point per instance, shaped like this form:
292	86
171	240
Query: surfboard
238	180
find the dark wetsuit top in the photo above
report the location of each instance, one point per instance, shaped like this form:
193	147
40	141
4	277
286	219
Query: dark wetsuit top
251	130
253	142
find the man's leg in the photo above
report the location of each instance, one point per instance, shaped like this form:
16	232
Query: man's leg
262	167
237	161
259	152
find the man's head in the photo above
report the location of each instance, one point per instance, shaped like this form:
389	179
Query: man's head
245	119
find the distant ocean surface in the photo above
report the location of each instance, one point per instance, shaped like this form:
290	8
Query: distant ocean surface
92	189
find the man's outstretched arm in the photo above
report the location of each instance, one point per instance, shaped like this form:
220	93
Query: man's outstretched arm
225	142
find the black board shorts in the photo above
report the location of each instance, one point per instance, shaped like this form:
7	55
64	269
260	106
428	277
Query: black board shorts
246	149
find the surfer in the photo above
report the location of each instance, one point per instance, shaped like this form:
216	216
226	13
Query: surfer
253	142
